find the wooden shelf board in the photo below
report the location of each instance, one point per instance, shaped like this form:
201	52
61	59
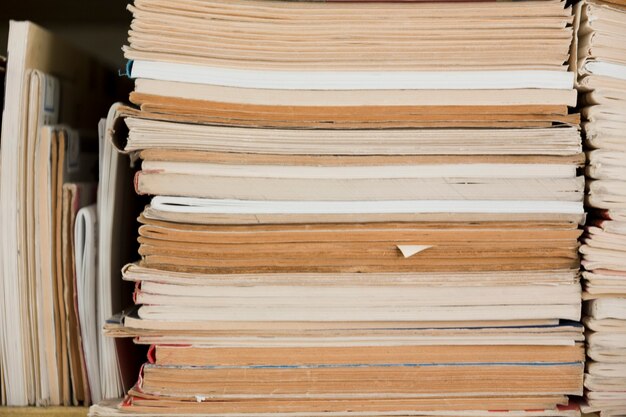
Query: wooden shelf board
44	411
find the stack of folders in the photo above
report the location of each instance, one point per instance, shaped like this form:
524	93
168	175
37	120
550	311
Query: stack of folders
363	208
602	79
49	176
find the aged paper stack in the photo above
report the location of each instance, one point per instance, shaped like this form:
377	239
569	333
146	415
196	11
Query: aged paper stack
54	94
359	208
602	79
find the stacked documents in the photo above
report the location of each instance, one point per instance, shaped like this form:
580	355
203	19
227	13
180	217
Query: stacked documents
364	208
48	177
602	79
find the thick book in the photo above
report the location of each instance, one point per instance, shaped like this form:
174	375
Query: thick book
338	36
147	134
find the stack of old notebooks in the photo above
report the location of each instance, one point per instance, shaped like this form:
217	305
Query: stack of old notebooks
602	79
359	208
49	173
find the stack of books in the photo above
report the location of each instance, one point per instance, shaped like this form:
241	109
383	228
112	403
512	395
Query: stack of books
602	81
364	208
49	171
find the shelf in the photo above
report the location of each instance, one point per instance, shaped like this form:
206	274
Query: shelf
43	411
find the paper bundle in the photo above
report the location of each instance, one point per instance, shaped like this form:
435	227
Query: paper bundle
602	79
358	208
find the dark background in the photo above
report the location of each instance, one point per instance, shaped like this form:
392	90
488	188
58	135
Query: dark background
97	26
